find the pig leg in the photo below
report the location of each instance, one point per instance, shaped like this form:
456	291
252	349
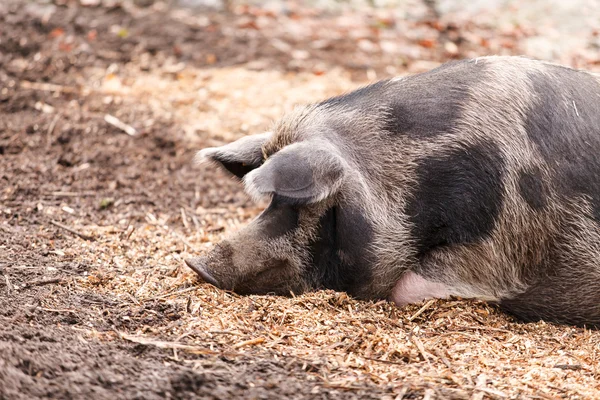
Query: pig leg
413	288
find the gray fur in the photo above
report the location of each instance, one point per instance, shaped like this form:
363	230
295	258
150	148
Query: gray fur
477	179
307	172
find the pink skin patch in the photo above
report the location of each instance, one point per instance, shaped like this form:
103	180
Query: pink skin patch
413	288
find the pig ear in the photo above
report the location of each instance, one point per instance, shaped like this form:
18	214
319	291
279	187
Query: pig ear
301	173
239	157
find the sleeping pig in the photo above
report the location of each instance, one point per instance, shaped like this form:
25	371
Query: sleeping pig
478	179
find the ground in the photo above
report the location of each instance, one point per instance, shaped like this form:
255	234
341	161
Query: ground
102	107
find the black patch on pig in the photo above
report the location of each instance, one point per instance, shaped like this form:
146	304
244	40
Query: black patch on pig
458	196
422	105
532	188
360	97
279	218
429	104
324	256
564	124
340	257
237	168
354	235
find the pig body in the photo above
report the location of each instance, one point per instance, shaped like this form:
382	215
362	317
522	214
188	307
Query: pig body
478	179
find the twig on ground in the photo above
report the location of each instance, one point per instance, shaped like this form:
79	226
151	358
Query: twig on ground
143	286
129	232
73	231
117	123
9	286
133	299
421	310
48	87
573	367
224	333
43	282
250	342
184	218
487	328
50	130
442	357
417	342
72	194
173	345
196	222
384	361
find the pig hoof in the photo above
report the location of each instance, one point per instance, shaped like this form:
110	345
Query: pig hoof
197	265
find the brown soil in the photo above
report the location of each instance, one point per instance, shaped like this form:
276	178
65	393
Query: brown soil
110	311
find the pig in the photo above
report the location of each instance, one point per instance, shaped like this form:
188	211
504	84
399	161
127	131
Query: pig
478	179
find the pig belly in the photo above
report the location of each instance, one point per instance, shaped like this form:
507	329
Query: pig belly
413	288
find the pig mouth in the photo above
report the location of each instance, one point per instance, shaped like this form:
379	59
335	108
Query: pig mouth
198	266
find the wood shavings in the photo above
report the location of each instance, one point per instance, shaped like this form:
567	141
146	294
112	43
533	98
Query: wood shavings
131	279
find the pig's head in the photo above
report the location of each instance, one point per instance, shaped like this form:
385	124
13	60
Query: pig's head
310	236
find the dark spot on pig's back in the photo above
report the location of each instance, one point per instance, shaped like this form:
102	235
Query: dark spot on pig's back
361	97
431	103
422	105
458	196
532	188
564	124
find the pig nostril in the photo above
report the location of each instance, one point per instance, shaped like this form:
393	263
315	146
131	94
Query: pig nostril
198	268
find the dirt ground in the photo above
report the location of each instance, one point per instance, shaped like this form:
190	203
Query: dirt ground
102	107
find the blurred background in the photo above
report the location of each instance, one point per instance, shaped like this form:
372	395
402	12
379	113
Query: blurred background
188	61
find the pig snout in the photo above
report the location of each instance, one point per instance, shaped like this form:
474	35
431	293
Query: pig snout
198	265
